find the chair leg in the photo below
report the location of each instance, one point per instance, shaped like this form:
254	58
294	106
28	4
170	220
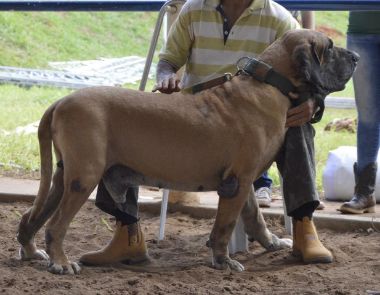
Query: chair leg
287	219
169	6
239	240
164	208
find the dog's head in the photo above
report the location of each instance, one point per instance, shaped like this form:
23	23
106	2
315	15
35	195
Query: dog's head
310	58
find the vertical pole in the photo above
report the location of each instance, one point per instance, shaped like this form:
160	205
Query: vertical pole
171	7
164	208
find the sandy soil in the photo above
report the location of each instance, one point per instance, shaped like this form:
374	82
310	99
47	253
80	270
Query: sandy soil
181	263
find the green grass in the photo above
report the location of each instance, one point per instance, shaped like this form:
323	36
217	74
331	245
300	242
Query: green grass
32	39
335	23
19	107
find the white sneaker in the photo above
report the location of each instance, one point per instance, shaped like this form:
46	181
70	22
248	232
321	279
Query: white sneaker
264	196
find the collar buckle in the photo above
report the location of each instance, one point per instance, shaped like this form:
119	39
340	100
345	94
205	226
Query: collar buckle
254	68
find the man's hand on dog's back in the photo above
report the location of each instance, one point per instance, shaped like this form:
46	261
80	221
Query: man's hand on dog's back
167	80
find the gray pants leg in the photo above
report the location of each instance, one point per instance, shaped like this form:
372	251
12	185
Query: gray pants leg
117	197
296	164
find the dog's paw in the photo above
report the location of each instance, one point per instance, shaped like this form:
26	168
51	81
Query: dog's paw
36	254
226	262
71	268
279	244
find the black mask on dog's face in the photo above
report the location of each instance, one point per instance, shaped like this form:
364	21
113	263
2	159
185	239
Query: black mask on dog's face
323	66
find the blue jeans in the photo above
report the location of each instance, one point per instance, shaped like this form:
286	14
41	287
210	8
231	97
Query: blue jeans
263	181
367	95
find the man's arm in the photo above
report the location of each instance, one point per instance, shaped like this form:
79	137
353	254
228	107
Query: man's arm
167	80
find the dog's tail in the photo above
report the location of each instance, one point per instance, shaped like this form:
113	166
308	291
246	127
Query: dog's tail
46	156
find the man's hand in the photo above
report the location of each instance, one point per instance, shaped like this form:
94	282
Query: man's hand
167	84
301	114
167	79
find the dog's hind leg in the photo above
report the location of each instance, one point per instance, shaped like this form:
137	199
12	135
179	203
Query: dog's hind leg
256	229
31	223
76	192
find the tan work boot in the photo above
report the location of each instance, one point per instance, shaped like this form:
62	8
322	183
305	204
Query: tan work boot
306	243
127	246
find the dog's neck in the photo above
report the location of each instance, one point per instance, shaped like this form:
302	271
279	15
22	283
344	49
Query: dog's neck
279	58
265	73
281	63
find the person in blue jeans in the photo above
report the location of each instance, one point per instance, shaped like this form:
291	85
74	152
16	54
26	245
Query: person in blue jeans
363	36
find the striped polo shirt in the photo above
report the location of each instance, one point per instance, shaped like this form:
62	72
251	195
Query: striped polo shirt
197	38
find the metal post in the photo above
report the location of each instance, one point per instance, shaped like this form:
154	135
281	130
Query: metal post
169	6
164	208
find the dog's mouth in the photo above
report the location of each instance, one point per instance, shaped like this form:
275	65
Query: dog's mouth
347	74
354	58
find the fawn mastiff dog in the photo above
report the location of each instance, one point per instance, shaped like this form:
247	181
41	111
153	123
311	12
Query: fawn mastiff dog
221	139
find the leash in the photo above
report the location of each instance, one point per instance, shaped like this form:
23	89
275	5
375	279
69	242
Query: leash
211	83
265	73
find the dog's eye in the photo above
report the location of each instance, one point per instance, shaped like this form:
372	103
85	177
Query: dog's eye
329	50
331	45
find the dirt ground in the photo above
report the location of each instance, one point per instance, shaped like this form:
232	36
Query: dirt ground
181	263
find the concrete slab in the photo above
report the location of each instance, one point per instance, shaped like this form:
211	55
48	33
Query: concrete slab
12	189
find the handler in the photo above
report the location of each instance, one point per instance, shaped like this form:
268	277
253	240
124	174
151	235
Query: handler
208	37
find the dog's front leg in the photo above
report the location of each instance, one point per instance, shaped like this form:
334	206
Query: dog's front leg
229	209
256	228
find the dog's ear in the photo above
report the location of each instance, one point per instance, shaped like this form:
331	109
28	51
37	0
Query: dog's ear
307	60
317	52
319	48
302	61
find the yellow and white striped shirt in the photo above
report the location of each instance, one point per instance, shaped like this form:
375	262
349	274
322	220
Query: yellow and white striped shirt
196	37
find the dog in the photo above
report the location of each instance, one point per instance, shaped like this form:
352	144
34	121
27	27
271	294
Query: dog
218	139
